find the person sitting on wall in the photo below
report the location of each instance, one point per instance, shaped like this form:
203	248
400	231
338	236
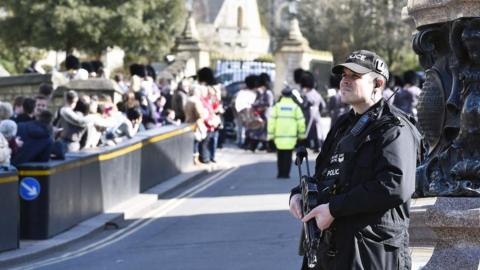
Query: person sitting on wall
128	128
37	140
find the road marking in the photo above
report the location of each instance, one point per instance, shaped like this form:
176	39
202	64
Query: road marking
148	218
232	204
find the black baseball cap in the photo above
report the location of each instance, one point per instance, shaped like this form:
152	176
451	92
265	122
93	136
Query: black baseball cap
363	62
287	91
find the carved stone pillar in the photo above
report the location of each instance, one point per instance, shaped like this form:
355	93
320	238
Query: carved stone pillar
447	42
294	53
189	42
448	45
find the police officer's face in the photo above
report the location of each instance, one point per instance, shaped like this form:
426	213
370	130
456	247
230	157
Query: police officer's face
356	89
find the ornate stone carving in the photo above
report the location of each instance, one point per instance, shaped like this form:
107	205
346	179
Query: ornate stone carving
449	108
427	12
447	43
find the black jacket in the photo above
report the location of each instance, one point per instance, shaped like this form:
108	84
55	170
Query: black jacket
21	118
375	176
37	143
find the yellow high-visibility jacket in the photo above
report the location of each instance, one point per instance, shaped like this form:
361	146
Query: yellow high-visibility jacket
286	124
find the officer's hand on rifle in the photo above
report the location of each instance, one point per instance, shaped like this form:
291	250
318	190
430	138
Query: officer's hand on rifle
295	206
322	216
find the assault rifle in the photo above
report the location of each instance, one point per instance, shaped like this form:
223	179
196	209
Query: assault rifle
310	196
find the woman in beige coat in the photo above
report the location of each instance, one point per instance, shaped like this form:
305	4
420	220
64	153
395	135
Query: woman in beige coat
195	114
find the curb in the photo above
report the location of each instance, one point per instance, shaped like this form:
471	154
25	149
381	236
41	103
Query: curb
32	249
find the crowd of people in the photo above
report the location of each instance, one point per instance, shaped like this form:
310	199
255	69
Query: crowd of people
256	109
26	130
253	106
264	123
30	132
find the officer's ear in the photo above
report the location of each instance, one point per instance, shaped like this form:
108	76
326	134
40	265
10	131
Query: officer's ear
379	83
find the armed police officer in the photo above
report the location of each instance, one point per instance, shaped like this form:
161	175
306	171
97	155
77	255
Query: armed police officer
369	156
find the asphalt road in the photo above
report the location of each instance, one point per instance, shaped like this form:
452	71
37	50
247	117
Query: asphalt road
231	219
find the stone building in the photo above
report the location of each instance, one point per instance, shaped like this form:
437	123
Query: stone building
231	29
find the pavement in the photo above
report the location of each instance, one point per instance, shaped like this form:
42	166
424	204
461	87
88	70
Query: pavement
31	249
420	256
230	156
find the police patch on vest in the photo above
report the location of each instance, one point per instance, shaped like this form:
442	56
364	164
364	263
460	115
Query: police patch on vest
333	172
286	108
337	158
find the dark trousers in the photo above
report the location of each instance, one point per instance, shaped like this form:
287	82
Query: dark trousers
208	147
284	162
205	149
213	144
313	142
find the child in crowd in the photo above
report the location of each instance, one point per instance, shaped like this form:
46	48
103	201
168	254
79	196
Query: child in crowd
170	118
160	108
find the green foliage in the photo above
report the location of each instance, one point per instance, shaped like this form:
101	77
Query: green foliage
343	26
15	59
141	27
148	31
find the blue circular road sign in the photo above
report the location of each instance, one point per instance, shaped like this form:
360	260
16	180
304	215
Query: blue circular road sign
29	188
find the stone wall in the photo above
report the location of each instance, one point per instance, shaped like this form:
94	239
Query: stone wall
89	87
23	85
27	85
